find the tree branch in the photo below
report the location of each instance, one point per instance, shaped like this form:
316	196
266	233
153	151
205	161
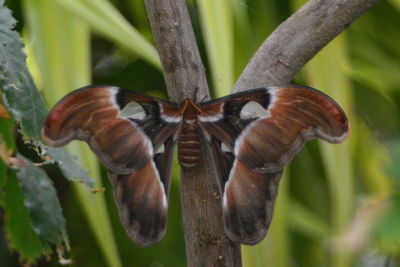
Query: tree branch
205	238
298	39
276	62
183	70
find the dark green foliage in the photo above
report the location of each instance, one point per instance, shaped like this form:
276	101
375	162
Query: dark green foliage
22	97
41	199
18	223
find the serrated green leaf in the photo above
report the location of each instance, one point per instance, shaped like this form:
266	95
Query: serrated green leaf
69	166
41	199
20	94
22	97
18	224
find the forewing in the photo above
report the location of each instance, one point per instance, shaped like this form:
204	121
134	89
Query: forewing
254	134
125	129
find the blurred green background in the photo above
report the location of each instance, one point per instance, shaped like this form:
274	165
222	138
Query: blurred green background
338	205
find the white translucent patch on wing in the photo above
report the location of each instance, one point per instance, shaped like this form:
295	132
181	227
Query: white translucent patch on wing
161	149
224	148
253	110
132	110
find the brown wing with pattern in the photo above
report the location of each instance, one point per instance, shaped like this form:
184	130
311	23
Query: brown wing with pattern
259	133
126	130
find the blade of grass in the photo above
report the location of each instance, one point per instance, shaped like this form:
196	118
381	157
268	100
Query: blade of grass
274	250
217	27
18	224
105	19
304	220
244	41
61	47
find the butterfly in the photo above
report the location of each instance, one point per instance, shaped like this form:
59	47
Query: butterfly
252	135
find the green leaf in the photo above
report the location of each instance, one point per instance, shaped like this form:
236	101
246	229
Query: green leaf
41	199
69	166
22	97
18	224
216	19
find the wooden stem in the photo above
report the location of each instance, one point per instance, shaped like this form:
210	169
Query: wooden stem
205	238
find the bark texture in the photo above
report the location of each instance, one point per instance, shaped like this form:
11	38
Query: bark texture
205	238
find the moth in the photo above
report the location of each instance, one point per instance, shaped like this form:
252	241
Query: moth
251	136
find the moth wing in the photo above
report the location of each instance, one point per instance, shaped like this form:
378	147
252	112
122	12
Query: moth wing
133	135
258	132
141	198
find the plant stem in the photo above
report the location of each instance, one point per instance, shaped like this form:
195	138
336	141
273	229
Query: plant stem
205	238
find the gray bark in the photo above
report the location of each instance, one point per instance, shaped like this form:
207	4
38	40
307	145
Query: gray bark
205	238
276	62
298	39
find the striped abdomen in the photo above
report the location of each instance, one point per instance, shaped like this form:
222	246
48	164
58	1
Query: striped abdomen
188	145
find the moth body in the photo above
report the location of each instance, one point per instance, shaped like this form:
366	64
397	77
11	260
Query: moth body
189	140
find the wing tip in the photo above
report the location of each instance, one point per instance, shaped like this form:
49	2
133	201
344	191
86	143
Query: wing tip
258	233
144	224
45	135
137	231
134	233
